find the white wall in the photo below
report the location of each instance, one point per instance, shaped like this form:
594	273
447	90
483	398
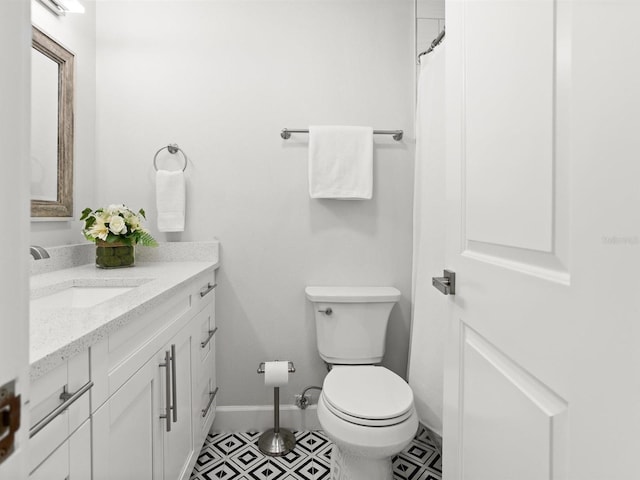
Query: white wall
221	79
76	33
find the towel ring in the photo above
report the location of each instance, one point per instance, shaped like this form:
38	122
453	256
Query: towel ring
173	149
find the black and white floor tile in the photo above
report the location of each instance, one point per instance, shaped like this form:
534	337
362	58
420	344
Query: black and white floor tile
235	456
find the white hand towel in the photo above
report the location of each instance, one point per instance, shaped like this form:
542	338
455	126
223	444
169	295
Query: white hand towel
170	200
340	162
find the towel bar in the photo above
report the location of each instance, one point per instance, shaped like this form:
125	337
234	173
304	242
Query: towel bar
397	134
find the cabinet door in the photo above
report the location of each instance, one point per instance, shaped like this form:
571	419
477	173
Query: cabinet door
178	444
128	429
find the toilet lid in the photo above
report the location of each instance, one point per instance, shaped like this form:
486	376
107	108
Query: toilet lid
367	395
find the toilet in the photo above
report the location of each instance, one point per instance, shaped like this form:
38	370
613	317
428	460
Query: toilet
365	409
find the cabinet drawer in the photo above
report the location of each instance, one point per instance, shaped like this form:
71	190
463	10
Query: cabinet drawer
206	285
206	406
208	332
72	459
56	466
59	405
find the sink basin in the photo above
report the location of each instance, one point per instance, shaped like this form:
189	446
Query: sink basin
82	293
78	297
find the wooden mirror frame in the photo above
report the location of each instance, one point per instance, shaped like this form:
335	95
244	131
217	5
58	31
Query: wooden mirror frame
63	205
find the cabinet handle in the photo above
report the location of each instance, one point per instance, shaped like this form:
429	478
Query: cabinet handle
211	334
207	289
167	391
173	383
212	395
68	399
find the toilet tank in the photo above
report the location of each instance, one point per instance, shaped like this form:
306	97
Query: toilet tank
354	330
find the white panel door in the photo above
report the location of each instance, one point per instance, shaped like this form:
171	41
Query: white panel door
15	51
543	192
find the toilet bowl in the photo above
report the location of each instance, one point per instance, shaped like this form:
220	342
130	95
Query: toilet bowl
368	413
365	409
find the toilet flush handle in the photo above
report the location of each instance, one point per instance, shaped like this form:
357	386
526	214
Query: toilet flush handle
326	311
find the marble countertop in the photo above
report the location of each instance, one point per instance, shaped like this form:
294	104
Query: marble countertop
58	333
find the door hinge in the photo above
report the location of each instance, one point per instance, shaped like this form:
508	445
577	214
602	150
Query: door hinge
9	419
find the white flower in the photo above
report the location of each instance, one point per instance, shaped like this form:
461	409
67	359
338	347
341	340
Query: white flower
117	225
99	230
115	209
132	221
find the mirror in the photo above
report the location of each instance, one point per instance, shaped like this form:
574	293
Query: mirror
51	128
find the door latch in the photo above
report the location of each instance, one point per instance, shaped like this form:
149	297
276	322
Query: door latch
446	284
9	419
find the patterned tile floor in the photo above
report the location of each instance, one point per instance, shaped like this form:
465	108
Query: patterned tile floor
235	456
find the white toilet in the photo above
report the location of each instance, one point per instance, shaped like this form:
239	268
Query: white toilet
365	409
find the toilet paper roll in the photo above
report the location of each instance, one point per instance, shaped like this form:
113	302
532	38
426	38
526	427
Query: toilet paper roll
276	374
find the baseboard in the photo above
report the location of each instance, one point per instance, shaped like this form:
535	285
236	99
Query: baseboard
258	418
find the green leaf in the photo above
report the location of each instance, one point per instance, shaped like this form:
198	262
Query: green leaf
85	213
142	212
147	240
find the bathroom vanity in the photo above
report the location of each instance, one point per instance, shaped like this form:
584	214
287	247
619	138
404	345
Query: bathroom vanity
125	387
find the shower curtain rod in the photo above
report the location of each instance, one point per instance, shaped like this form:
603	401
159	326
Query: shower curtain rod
434	44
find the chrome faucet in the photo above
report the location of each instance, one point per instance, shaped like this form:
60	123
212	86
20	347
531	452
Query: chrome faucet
38	252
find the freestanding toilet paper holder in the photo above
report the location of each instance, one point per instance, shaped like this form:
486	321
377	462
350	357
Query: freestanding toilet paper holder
276	441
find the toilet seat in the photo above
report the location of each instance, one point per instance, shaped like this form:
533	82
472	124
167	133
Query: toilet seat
367	395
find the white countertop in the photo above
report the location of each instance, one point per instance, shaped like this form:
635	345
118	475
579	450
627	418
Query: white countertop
58	333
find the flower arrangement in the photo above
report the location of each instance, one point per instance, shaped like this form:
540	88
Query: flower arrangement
116	224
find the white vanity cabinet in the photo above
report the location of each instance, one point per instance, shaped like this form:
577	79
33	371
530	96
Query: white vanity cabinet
147	410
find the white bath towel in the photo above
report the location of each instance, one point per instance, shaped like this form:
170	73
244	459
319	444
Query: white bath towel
340	162
170	200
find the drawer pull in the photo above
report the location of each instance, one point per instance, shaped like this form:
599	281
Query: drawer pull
207	289
211	334
212	395
167	388
174	387
68	399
